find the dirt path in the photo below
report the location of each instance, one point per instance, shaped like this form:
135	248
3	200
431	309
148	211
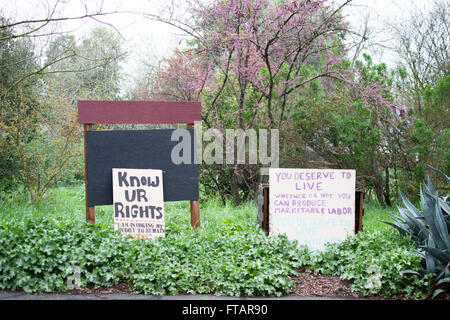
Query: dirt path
319	285
308	285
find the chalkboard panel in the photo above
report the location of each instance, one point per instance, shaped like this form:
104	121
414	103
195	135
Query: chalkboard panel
137	149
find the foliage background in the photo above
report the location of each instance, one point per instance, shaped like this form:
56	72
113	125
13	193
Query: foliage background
286	65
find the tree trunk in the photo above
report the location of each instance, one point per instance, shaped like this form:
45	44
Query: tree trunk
387	190
379	191
234	185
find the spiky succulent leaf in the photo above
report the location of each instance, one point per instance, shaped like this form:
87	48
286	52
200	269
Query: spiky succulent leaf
409	205
441	173
434	220
442	255
445	207
429	229
437	292
430	263
444	280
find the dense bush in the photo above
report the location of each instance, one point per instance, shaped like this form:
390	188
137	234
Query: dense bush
375	263
228	255
36	254
232	263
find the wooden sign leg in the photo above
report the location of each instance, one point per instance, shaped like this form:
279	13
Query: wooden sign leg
361	211
195	207
266	209
90	211
195	214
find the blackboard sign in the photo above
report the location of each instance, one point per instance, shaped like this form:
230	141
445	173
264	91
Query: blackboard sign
137	149
313	206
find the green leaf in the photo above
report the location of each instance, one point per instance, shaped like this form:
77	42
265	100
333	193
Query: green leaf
442	281
437	292
413	272
409	205
441	173
442	255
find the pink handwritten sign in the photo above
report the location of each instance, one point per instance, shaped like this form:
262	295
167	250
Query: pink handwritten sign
312	206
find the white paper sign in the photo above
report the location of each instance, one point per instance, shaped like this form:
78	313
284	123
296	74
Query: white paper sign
313	206
138	202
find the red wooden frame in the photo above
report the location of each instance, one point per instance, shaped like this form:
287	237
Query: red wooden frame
136	112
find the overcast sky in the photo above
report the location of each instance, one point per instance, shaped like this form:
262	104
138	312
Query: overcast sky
145	38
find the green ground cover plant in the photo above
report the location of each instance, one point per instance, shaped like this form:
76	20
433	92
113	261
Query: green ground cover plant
375	262
229	255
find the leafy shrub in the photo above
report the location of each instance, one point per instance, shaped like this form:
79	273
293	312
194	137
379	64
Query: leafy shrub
375	263
37	253
228	255
235	260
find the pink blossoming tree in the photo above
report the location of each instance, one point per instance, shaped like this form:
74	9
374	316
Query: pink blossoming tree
253	60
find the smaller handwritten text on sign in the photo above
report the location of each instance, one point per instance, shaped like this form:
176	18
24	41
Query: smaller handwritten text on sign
313	206
138	202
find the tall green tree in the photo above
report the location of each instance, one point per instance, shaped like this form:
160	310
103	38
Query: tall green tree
44	25
254	55
341	129
423	47
88	68
40	136
430	133
17	60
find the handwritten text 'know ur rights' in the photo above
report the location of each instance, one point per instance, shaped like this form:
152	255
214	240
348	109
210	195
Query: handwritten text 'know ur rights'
137	195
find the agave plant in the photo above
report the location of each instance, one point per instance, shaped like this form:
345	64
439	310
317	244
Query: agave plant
429	230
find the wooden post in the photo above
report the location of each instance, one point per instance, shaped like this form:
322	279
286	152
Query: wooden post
195	214
90	211
195	207
260	215
359	210
266	208
263	206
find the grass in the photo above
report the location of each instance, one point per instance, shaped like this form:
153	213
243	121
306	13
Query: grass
374	214
70	202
